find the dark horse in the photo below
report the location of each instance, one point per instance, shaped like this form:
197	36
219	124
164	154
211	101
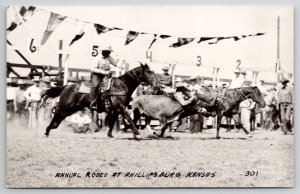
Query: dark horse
120	93
163	108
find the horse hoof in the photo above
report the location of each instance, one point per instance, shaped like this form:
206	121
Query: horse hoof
46	134
249	135
218	137
110	136
137	133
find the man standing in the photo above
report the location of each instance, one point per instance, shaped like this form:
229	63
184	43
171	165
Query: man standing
166	78
285	100
33	97
20	101
10	96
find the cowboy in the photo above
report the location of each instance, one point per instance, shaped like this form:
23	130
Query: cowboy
10	96
166	78
239	79
45	107
183	94
285	100
20	100
207	95
101	73
185	97
33	97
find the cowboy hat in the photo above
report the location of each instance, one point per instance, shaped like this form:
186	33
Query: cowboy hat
108	48
165	68
237	71
35	79
8	80
178	79
182	85
20	82
243	73
284	80
47	79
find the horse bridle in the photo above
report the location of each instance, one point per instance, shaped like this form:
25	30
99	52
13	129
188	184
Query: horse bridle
135	77
244	97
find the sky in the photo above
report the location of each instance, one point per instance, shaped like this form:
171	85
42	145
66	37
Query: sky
257	53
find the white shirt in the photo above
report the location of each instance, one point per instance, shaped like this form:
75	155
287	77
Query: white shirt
237	82
33	93
10	93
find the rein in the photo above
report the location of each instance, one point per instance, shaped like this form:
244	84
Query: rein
134	76
244	97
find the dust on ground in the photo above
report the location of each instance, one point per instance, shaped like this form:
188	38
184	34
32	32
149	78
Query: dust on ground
33	160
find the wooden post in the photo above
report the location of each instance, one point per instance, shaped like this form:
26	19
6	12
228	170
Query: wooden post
277	66
77	75
173	75
213	78
217	77
60	60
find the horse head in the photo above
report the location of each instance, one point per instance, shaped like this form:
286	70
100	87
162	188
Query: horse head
145	74
254	93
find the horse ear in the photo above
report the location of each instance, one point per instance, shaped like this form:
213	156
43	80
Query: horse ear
141	64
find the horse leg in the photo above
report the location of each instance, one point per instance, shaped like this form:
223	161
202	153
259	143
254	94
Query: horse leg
163	129
112	117
147	125
56	120
126	116
219	119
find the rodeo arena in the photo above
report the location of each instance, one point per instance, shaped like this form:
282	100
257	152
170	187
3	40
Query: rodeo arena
86	94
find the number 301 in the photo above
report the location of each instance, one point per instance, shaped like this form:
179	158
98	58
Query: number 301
251	173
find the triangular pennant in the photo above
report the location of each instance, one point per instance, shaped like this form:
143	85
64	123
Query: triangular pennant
80	32
202	39
154	40
25	13
181	42
131	36
101	29
260	34
115	28
54	21
164	36
77	37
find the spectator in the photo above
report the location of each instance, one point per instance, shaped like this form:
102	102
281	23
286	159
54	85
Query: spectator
285	100
166	78
20	101
33	97
10	97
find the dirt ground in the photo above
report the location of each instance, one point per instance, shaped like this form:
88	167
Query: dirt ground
35	161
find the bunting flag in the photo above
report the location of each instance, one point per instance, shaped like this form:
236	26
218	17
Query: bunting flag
202	39
54	21
131	36
25	13
79	34
102	29
153	41
182	41
164	36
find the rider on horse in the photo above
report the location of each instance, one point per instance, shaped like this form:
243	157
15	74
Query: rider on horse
101	74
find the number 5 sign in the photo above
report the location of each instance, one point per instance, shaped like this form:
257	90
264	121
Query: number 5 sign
95	50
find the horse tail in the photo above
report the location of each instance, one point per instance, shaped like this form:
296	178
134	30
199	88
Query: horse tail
53	92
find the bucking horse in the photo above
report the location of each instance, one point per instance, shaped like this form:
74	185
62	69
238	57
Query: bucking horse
122	87
165	109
